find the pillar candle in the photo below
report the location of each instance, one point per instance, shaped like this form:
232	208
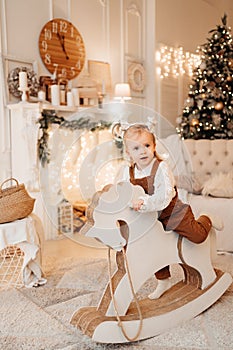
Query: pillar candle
103	87
75	93
70	99
63	97
41	95
55	95
23	82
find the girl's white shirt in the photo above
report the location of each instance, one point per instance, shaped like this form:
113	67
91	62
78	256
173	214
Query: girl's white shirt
164	184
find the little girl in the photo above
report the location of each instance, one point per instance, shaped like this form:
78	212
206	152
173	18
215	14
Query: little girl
151	172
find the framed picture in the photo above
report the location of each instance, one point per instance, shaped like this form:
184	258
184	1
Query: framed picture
100	72
11	68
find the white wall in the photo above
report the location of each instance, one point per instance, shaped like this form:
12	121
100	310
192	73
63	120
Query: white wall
187	22
184	23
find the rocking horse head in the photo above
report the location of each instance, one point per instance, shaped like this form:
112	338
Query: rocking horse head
110	218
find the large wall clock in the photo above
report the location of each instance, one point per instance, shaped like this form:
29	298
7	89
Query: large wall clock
62	48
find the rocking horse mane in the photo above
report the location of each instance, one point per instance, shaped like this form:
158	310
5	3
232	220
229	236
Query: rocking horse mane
91	208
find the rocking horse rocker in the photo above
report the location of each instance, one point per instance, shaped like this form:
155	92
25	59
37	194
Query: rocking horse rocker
140	243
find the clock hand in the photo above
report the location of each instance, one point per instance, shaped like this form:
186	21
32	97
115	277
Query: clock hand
62	42
63	46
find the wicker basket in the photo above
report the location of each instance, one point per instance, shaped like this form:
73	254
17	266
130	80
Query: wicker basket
15	202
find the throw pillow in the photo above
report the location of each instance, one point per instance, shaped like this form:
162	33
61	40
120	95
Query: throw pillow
219	185
190	183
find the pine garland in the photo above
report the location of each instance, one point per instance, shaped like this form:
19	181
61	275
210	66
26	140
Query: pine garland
49	117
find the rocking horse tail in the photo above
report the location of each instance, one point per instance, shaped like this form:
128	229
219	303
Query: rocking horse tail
196	260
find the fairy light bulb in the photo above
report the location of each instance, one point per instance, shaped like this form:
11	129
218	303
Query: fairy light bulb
176	62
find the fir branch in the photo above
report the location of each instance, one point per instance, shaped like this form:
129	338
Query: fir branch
49	117
224	19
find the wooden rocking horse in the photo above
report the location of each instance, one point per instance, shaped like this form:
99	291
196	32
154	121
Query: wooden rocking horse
143	247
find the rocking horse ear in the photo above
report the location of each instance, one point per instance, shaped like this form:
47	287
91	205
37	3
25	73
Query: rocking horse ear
118	129
151	123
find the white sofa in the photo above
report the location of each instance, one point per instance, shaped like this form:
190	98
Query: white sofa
206	166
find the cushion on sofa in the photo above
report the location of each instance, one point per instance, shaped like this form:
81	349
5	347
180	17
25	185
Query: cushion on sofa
175	148
219	185
191	183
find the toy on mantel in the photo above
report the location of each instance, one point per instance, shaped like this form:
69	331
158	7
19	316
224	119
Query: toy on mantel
140	242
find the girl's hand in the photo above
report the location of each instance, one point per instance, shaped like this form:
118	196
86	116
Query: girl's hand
137	205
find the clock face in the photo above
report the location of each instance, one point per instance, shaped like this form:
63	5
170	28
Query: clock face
62	48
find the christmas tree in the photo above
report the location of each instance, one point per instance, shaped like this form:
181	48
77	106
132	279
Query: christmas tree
208	111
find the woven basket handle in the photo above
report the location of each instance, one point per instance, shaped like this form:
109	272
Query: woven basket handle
10	179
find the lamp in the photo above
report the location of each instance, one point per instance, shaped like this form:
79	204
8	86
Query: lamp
122	92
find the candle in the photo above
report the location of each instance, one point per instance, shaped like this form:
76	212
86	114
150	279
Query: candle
70	99
55	95
63	97
23	82
103	87
41	95
75	93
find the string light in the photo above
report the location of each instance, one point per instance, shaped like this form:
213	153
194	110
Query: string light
73	162
175	62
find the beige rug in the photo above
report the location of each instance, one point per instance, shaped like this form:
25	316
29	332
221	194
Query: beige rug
38	318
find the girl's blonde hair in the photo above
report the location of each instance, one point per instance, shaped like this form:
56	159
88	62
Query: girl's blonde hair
137	130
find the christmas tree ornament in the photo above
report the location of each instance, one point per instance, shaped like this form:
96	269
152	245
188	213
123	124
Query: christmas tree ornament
194	122
221	52
230	62
211	84
218	106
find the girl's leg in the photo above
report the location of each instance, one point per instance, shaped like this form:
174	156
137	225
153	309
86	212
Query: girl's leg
164	283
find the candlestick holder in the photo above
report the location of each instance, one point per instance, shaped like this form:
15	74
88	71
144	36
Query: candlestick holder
100	99
24	96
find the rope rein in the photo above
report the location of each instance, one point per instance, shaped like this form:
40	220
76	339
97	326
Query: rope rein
120	324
